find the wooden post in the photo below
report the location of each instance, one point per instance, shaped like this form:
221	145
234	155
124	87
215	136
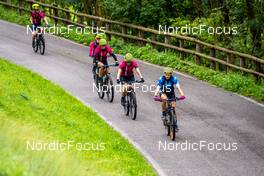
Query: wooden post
242	63
153	38
108	28
230	60
140	35
80	19
124	31
20	4
67	15
55	11
213	63
257	69
167	41
181	44
197	58
30	5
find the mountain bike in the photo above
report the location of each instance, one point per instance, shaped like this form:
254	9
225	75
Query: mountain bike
130	101
39	41
170	121
105	84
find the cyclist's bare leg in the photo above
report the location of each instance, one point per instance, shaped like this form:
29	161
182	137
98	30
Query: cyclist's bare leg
33	35
163	104
101	69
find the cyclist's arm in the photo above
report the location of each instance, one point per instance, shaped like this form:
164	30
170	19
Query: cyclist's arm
118	73
46	21
31	19
157	91
179	89
114	56
138	72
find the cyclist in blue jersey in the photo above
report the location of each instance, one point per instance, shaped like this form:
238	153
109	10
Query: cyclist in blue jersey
165	89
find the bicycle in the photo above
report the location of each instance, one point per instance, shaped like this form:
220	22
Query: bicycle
105	85
130	101
39	42
170	121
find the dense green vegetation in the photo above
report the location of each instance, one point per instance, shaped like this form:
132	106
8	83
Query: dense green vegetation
235	82
34	109
246	16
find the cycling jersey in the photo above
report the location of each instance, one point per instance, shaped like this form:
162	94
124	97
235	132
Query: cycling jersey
167	86
93	46
37	17
101	55
127	69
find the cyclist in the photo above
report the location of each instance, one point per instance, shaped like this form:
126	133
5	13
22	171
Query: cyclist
100	57
165	89
125	73
93	45
35	19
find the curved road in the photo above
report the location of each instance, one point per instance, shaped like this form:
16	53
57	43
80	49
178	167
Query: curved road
208	115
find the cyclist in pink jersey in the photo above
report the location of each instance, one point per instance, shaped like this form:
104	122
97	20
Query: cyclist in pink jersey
125	73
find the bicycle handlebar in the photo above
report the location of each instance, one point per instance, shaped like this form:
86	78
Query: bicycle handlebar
131	82
170	99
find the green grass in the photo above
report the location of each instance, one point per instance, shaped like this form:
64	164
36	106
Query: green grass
232	81
33	108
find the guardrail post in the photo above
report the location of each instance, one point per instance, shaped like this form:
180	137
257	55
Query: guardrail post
153	38
213	63
55	14
242	63
167	41
229	60
108	28
181	44
257	69
67	15
197	58
124	31
20	7
80	19
140	35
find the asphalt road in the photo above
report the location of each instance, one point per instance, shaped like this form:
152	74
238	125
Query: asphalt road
208	115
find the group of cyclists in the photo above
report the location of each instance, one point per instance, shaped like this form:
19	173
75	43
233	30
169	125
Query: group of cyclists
99	50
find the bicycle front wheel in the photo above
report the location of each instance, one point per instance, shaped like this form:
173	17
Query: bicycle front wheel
173	127
126	105
133	106
35	45
110	89
41	45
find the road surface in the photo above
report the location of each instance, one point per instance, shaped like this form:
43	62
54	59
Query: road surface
208	115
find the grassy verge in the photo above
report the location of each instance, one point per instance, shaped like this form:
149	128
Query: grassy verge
34	109
235	82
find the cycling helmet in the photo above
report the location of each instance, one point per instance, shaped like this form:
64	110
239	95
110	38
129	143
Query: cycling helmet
98	36
102	42
168	70
128	57
35	6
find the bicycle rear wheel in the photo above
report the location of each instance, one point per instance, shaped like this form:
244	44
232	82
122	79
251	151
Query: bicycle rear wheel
110	89
133	106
